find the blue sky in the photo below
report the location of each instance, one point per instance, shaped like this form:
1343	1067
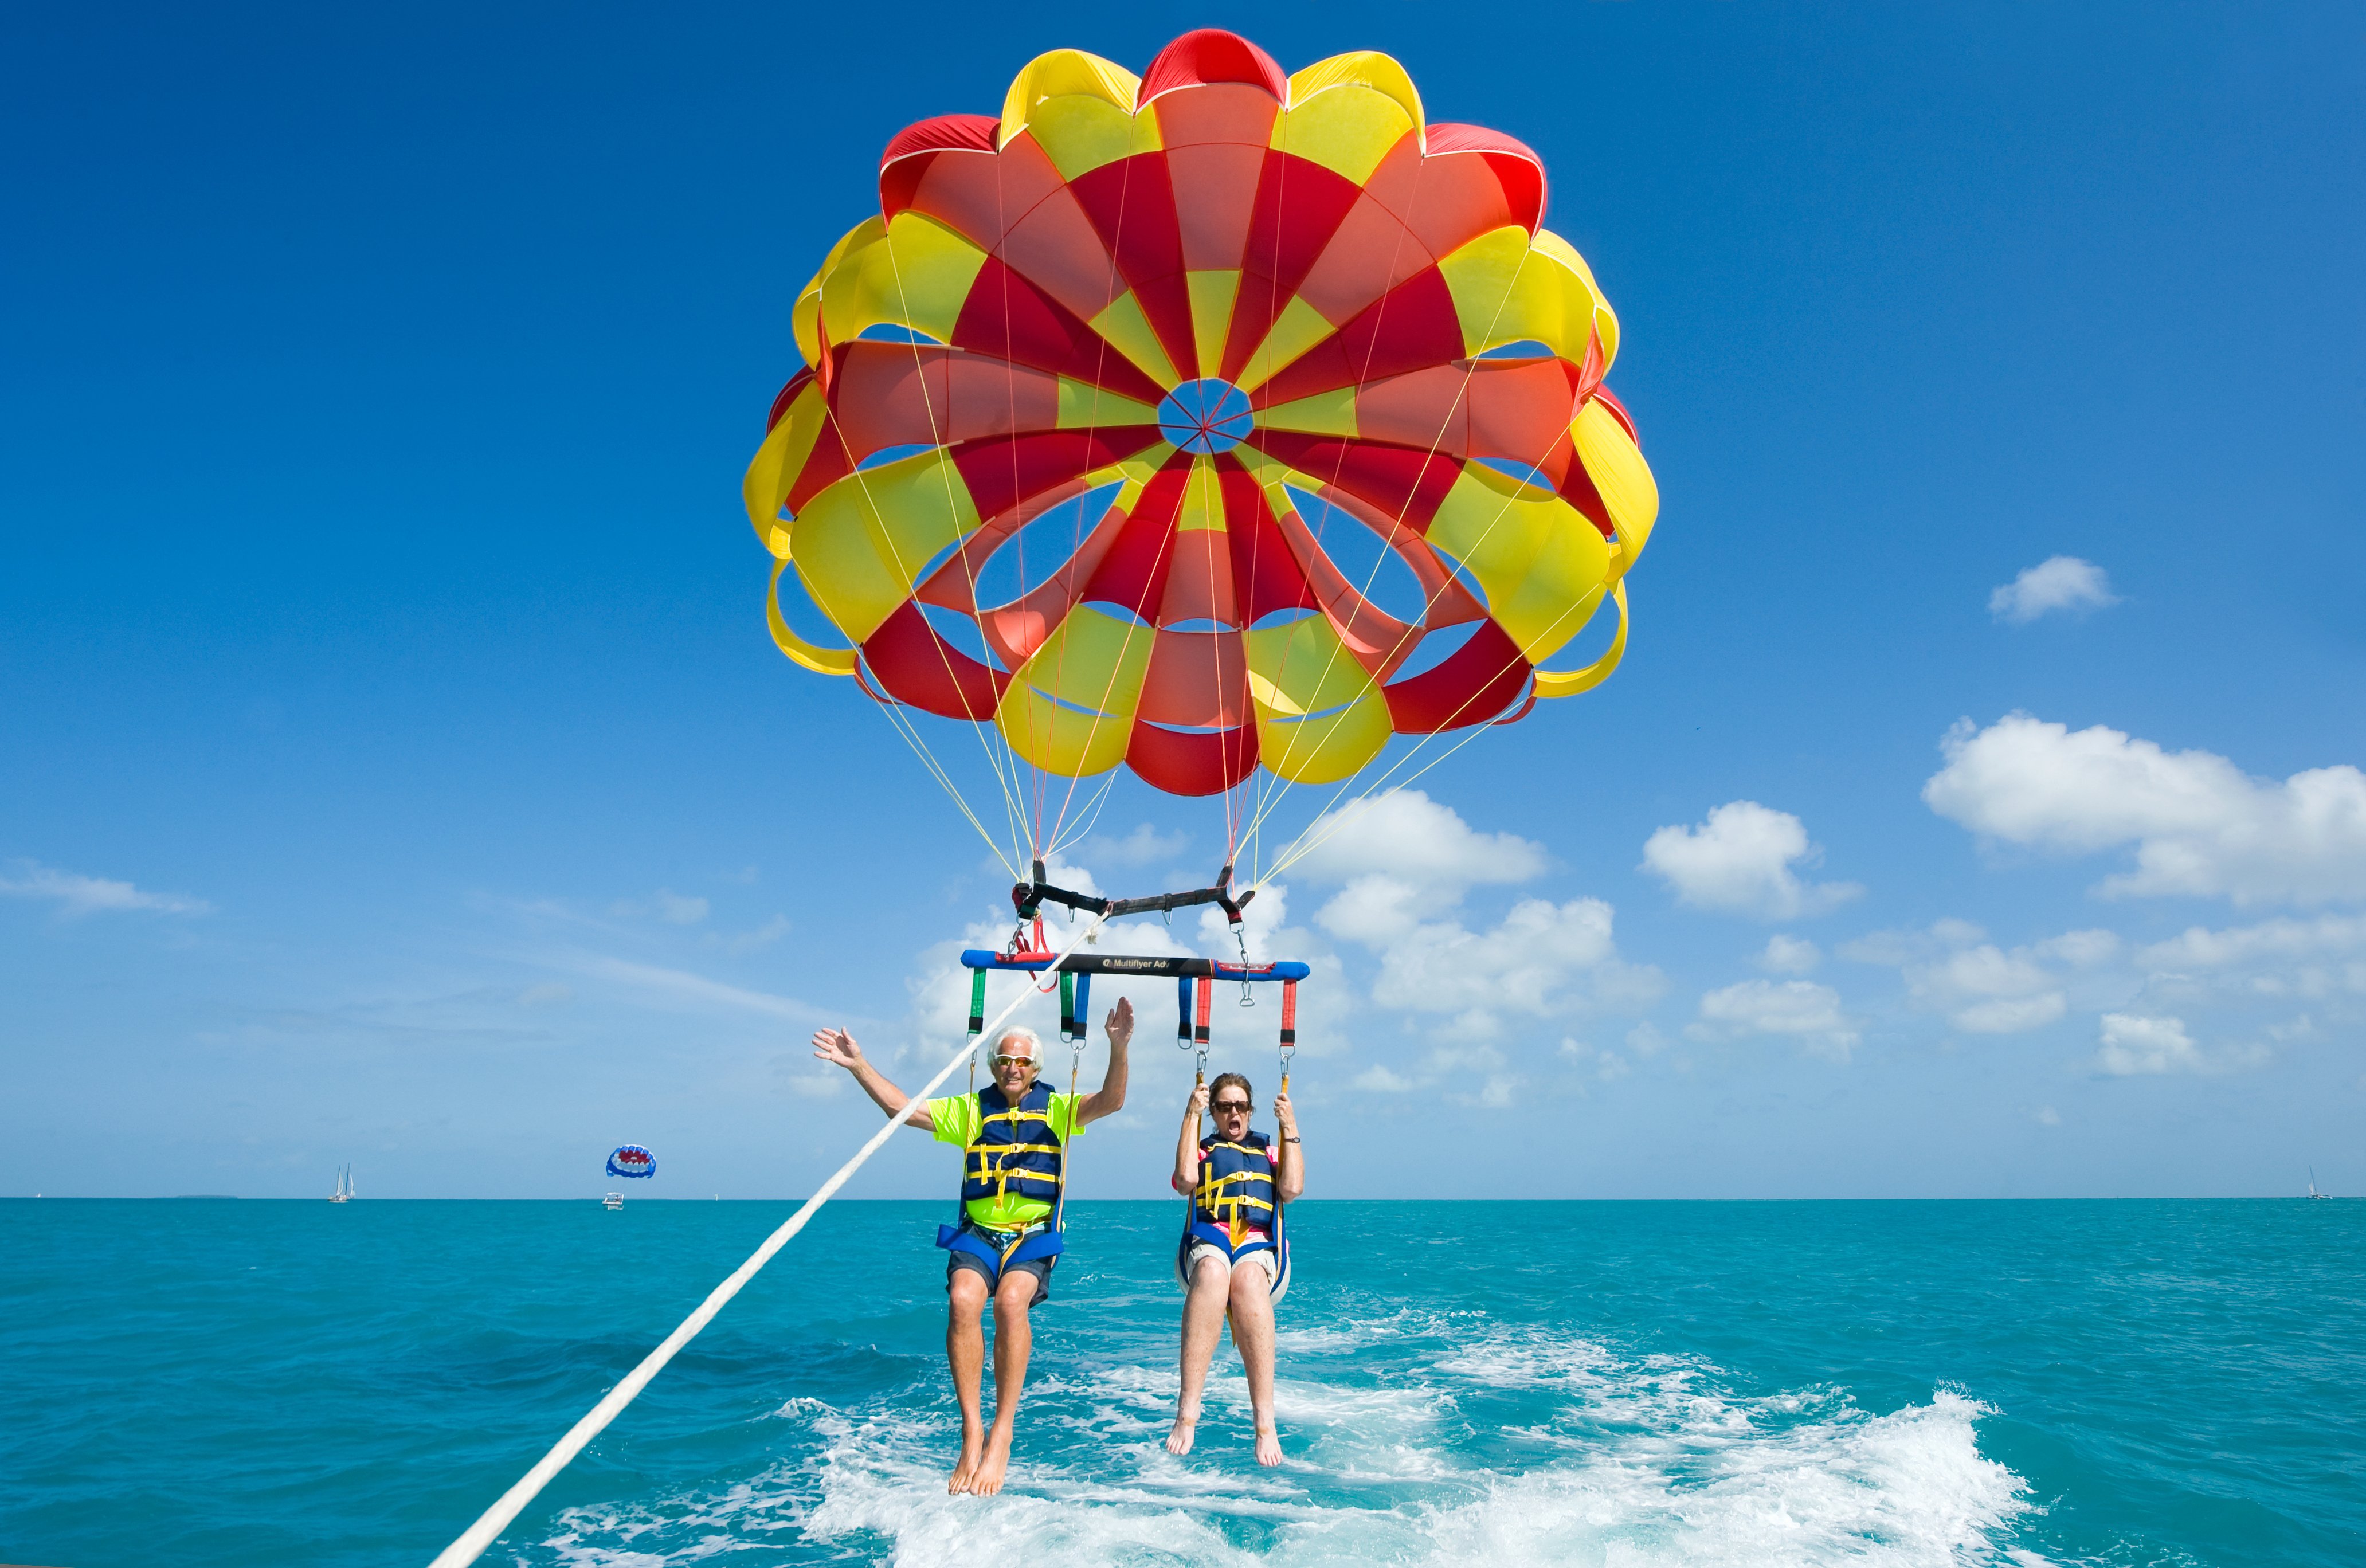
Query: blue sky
394	768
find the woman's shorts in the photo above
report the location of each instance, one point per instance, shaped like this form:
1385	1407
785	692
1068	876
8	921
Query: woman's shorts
1263	1256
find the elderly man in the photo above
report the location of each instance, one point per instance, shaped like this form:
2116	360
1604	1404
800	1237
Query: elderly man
1013	1134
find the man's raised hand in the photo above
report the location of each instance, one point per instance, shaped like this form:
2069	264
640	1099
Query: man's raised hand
837	1046
1120	1022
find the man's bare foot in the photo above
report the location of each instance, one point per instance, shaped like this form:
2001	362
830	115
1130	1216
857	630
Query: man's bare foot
1269	1445
973	1446
987	1479
1179	1441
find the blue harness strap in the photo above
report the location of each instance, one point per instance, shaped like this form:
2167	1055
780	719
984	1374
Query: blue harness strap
1035	1241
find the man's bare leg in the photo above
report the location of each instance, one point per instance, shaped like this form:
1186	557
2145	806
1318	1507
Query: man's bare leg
965	1353
1013	1338
1203	1320
1252	1299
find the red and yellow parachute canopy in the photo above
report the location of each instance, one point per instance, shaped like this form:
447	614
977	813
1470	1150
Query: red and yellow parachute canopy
1216	312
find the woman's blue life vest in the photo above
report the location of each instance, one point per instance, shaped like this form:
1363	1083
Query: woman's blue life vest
1234	1207
1017	1154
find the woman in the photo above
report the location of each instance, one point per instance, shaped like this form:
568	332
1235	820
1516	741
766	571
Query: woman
1233	1257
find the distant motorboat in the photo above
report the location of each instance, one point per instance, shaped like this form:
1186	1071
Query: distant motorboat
345	1193
2312	1185
612	1201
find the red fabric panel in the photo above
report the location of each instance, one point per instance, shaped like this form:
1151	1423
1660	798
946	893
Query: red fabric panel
891	394
1199	679
1131	204
1517	169
829	462
1478	681
1411	327
906	163
1003	471
1215	190
914	665
1198	581
1184	762
1518	409
1266	574
1298	206
982	196
1576	487
1008	317
1370	253
1212	54
787	395
1399	482
1135	571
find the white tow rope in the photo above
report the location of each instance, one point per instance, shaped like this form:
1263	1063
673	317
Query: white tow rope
482	1534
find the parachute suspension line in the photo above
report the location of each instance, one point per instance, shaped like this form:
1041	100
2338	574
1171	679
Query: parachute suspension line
1290	853
1298	849
1092	815
919	746
488	1527
1005	770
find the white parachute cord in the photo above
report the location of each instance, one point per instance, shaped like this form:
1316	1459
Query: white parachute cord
482	1534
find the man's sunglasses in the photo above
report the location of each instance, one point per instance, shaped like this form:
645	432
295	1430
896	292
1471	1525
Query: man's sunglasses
1220	1107
1012	1061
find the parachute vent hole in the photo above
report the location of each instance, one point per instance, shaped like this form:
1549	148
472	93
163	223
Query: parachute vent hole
804	616
1364	558
1036	553
1434	649
887	454
1526	475
896	331
962	632
1526	348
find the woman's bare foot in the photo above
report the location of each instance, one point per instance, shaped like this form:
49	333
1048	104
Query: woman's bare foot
1269	1445
1179	1441
973	1445
987	1479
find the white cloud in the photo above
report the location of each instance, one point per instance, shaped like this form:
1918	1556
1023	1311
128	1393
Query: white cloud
2199	825
1802	1009
1789	955
1379	1080
550	993
77	895
2133	1044
771	932
1542	959
2063	583
674	909
1408	836
1741	861
2046	1116
1983	989
682	986
1145	846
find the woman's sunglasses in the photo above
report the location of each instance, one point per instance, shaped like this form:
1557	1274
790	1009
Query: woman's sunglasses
1220	1107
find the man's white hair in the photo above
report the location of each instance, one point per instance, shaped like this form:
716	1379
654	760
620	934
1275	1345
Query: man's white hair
1020	1032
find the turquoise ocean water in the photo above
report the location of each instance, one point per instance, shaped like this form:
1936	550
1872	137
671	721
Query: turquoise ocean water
262	1384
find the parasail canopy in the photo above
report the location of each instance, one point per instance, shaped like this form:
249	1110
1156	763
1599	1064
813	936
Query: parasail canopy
632	1161
1206	422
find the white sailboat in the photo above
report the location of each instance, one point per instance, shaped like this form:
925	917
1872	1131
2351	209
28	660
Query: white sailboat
345	1193
2312	1185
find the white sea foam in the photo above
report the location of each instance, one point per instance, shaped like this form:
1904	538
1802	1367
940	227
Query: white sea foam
1620	1461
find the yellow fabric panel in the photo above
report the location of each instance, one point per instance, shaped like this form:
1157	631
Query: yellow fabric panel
821	660
1507	290
1534	554
805	317
777	463
1203	502
1067	98
1325	749
1302	668
1569	682
1094	662
1128	330
1606	321
1345	113
1298	328
1618	471
1537	556
1211	312
859	542
916	274
1326	413
1084	406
